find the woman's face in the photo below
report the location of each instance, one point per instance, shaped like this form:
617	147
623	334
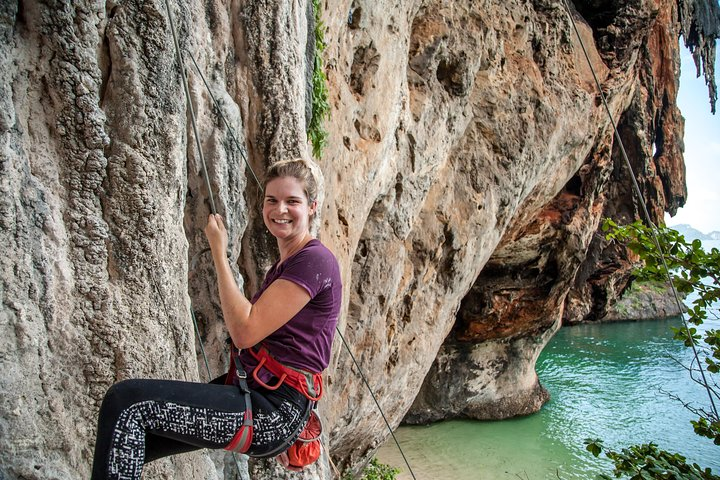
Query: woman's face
286	211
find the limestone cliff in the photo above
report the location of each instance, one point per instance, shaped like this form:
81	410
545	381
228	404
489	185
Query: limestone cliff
469	163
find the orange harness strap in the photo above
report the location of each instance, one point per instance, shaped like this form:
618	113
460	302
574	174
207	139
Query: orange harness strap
308	383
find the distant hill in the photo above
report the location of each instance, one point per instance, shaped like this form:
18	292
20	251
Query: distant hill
691	233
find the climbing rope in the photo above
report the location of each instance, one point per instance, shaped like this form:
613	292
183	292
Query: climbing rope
186	87
362	375
646	214
207	181
218	109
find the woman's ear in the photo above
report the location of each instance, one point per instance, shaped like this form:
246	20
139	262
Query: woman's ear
313	207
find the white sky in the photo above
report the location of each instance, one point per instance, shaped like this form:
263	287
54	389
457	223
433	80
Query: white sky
702	151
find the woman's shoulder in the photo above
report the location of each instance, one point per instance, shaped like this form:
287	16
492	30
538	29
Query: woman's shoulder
316	248
314	267
313	256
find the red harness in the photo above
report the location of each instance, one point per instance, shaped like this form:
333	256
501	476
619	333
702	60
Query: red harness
308	383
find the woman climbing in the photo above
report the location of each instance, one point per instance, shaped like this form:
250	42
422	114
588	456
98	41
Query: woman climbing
284	333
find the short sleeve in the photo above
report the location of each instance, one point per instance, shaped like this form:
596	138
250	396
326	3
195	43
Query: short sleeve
313	268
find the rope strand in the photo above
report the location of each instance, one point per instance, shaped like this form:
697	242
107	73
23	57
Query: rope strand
186	87
222	116
362	375
207	181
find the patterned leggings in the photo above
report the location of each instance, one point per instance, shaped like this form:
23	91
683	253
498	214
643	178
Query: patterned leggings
143	420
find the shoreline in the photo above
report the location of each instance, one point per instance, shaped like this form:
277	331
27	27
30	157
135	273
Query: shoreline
644	300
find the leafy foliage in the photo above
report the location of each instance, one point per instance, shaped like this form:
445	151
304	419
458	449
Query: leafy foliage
692	270
320	106
377	471
646	461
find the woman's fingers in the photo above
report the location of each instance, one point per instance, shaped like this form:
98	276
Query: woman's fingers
215	222
215	231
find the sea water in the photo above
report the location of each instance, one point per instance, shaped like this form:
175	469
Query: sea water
619	382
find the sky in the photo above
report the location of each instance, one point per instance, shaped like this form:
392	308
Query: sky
702	150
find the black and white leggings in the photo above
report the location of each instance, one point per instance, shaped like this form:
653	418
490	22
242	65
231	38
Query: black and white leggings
143	420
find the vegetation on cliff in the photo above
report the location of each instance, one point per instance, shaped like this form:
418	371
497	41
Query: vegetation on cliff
316	132
644	300
376	471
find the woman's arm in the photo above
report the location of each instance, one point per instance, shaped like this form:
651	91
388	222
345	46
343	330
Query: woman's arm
248	324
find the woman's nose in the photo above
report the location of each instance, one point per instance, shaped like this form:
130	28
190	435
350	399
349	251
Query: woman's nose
282	206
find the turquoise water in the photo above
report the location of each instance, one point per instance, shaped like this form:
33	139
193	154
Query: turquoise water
608	381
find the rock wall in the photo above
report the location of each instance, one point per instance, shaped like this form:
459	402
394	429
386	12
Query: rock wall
469	163
553	265
103	202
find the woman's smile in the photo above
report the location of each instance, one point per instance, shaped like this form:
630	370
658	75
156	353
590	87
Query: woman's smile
286	209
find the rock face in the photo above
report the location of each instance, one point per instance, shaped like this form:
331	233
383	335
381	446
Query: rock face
644	301
552	265
470	160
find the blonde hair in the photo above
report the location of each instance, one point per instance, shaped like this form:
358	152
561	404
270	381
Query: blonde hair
297	168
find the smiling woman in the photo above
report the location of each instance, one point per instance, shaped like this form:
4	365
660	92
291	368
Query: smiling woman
286	331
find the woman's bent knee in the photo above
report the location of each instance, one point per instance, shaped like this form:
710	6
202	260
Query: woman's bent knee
122	395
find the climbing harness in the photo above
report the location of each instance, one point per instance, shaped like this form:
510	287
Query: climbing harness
646	214
306	449
308	383
298	453
303	447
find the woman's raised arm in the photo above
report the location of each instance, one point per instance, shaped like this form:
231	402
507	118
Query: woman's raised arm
248	323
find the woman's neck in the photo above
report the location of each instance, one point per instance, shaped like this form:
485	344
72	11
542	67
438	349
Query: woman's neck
293	246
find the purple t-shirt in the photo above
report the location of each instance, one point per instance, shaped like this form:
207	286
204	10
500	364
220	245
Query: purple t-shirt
306	340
